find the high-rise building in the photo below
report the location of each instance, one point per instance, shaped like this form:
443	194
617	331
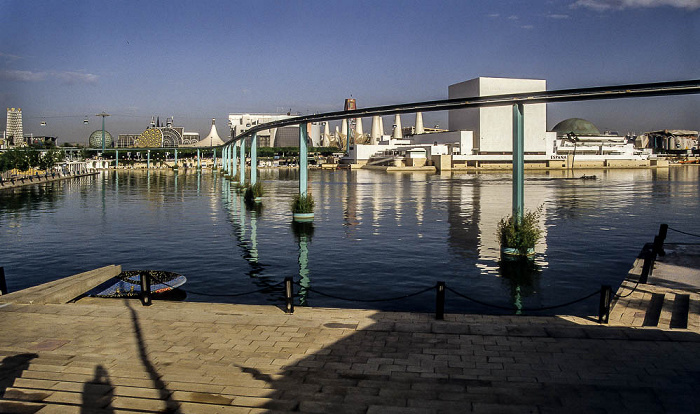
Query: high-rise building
15	129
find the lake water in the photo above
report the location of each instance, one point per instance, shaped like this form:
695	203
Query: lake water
376	235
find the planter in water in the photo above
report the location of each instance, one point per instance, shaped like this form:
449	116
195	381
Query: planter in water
518	239
303	207
254	193
303	217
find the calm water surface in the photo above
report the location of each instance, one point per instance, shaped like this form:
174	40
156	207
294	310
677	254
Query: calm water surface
376	235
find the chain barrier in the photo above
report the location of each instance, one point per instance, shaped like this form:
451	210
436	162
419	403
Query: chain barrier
366	300
409	295
616	296
683	232
521	309
233	295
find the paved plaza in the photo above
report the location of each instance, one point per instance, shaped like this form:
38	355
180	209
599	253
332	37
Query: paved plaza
107	356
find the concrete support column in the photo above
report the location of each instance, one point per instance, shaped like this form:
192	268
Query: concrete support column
518	162
234	158
148	159
214	158
254	159
175	158
375	135
116	158
242	171
199	160
223	159
303	161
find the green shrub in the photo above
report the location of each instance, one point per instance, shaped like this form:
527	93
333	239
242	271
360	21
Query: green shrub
521	236
303	204
254	191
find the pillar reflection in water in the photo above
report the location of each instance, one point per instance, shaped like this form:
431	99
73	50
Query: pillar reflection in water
303	232
522	275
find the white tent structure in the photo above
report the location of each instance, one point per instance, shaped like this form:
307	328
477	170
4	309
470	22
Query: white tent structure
211	140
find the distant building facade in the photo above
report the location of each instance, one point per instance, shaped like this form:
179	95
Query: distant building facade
14	134
159	136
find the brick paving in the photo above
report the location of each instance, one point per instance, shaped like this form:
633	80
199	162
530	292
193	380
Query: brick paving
115	356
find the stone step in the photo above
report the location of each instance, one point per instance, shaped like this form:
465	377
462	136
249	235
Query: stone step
44	386
671	310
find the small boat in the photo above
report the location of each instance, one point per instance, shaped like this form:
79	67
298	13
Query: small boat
128	283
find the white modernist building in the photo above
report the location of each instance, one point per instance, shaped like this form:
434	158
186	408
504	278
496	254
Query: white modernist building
240	123
491	135
287	136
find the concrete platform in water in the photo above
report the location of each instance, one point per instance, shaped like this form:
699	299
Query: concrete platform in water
671	297
114	355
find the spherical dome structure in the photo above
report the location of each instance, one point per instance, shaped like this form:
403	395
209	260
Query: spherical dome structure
95	140
576	125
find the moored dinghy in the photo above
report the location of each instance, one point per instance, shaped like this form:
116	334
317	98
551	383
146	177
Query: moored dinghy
128	283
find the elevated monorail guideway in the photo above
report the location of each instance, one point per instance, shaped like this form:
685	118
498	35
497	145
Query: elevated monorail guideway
687	87
517	100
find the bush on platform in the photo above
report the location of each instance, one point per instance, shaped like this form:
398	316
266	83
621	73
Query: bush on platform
521	237
303	204
254	191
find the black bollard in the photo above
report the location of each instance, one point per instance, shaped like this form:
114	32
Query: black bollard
648	267
145	289
604	305
3	283
663	229
440	301
288	295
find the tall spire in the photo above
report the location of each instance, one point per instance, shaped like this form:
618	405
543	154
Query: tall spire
419	123
397	133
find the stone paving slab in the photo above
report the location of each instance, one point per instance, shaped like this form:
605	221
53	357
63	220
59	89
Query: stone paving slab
111	356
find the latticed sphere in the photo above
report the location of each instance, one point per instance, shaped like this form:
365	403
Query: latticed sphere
95	140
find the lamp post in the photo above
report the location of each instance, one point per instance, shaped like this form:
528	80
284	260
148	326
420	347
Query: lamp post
103	115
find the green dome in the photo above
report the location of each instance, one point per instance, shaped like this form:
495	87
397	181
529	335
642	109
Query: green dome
576	125
95	139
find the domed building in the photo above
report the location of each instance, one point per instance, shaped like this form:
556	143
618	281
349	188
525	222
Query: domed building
95	139
576	126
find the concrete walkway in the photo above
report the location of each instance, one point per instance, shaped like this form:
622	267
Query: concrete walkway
109	356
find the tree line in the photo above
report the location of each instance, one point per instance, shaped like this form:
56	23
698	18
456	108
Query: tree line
24	159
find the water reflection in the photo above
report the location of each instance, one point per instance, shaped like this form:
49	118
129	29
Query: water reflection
522	276
303	233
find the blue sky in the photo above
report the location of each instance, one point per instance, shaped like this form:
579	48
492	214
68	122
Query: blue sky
197	60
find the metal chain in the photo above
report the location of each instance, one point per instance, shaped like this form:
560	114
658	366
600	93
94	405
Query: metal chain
367	300
522	309
683	232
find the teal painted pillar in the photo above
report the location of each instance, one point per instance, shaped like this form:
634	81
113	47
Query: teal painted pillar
518	162
254	159
224	159
214	157
116	158
303	160
234	159
199	160
148	159
242	171
175	159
